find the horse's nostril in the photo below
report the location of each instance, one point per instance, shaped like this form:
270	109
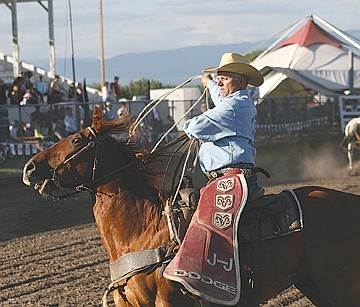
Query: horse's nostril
29	168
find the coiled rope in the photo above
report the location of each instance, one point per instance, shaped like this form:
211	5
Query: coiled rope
154	103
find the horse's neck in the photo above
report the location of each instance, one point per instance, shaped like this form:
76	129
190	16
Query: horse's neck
127	222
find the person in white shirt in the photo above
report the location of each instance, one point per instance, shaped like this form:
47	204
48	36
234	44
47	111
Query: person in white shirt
70	125
109	114
106	93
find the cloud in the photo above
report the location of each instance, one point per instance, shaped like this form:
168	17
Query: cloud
139	25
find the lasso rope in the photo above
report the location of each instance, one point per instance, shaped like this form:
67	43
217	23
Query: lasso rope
178	121
191	144
152	105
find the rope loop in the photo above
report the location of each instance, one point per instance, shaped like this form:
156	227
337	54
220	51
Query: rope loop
154	103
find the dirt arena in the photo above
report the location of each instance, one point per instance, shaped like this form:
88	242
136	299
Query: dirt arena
52	255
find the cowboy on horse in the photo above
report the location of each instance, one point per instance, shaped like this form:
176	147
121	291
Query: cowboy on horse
226	135
129	211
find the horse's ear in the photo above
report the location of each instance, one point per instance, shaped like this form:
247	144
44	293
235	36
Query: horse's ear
97	119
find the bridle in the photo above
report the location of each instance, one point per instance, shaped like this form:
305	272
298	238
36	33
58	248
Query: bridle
93	183
73	156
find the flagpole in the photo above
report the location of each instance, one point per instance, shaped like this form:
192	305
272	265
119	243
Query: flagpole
102	66
72	43
77	110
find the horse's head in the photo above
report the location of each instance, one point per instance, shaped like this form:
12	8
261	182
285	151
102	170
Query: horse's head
71	162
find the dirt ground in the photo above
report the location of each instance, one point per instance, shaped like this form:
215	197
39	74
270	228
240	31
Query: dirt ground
52	255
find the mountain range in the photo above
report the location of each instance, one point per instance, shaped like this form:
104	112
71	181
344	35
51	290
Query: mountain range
171	67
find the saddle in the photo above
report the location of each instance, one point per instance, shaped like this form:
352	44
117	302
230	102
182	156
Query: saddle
275	215
207	262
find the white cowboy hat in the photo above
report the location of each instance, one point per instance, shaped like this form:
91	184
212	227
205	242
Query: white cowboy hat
239	64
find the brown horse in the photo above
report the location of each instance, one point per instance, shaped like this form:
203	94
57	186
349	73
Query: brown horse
322	260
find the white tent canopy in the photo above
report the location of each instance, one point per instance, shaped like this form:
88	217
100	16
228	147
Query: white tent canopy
311	60
287	82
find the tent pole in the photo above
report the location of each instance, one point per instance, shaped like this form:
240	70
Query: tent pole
282	37
351	72
102	61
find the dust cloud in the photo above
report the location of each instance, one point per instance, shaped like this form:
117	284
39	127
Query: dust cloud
302	160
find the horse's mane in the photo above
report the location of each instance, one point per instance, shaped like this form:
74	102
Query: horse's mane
152	165
119	125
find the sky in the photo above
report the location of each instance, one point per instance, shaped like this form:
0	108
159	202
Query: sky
135	26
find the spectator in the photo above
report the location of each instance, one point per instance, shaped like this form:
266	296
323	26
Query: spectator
55	91
106	92
79	93
41	88
13	128
34	93
72	92
156	121
15	95
58	114
29	97
70	125
47	122
203	107
27	78
26	98
112	93
38	131
109	114
116	88
23	132
121	110
17	90
36	115
3	98
171	123
173	133
59	130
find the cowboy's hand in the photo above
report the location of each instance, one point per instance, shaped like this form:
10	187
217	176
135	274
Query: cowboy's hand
205	79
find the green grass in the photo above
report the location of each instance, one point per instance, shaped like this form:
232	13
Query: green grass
12	167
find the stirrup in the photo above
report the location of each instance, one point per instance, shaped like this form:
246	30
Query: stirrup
187	206
189	196
257	193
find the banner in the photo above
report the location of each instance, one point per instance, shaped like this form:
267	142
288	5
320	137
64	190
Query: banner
292	127
26	149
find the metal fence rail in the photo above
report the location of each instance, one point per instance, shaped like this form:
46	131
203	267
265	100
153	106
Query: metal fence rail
283	115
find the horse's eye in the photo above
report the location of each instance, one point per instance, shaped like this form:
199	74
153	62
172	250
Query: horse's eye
76	141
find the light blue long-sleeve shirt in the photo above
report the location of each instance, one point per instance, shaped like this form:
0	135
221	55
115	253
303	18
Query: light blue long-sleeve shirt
226	132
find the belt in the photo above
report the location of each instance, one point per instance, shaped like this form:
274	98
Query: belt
247	170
